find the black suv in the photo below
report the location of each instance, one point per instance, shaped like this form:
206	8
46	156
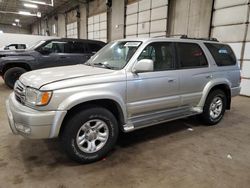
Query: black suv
46	53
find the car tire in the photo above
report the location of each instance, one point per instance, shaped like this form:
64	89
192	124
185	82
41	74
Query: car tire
12	75
214	107
90	134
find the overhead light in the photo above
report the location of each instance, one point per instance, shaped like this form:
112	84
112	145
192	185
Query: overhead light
24	13
17	20
40	2
28	5
14	24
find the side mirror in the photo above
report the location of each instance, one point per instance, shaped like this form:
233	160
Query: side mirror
144	65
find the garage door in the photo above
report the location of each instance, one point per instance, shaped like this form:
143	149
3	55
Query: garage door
229	25
97	27
72	31
146	18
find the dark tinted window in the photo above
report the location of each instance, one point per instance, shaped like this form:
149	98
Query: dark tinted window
94	47
222	54
79	47
162	53
190	55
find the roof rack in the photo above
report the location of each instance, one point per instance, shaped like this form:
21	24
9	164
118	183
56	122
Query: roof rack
207	39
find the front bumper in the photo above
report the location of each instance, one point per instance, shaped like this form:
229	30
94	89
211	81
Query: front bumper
31	123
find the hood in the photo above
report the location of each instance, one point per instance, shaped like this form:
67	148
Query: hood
39	78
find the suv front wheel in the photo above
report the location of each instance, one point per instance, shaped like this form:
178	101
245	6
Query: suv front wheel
90	134
214	107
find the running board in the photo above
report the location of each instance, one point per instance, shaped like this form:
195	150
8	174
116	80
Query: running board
150	119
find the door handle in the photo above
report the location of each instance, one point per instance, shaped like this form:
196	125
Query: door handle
171	80
209	76
63	57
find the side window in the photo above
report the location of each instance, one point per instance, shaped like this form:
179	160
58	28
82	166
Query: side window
94	47
56	47
190	55
79	47
162	53
222	54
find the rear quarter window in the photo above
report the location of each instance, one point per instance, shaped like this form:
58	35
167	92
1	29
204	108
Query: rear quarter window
222	54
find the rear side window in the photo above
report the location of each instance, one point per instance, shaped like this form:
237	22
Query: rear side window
94	47
190	55
222	54
79	47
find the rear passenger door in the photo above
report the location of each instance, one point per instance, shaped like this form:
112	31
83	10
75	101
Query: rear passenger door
194	72
75	53
156	90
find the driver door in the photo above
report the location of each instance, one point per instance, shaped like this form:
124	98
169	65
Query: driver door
49	55
149	92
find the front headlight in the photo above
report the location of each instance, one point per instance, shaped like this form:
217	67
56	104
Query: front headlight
36	97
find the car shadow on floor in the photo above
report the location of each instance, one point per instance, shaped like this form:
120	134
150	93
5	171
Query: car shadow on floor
49	153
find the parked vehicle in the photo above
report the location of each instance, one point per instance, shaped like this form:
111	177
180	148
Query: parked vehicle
15	47
46	53
127	85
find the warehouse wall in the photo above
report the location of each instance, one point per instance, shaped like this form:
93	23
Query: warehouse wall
14	29
230	25
190	17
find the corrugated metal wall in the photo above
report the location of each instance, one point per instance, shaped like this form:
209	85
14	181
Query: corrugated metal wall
230	24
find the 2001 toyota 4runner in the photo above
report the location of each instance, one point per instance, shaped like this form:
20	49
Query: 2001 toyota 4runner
128	85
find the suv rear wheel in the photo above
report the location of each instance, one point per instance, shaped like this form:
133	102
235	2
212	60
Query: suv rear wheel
12	75
214	108
90	134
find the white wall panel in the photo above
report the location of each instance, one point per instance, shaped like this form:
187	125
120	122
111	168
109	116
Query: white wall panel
232	15
159	34
158	26
144	16
159	13
132	8
158	3
143	35
144	5
103	34
103	25
131	36
247	51
245	72
245	87
248	33
90	20
131	19
97	27
231	33
143	28
227	3
131	29
237	47
103	17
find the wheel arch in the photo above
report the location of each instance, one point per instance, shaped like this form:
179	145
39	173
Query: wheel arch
16	64
222	85
110	104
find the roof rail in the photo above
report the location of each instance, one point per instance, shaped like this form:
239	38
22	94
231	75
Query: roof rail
207	39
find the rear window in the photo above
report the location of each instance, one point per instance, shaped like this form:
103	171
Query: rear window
190	55
222	54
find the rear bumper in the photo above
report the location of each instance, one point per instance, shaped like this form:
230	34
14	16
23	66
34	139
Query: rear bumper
28	122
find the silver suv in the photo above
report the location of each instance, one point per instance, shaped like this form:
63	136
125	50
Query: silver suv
127	85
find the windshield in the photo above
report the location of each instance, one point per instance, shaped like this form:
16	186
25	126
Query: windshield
115	55
37	44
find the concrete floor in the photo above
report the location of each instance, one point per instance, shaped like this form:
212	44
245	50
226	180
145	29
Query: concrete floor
169	155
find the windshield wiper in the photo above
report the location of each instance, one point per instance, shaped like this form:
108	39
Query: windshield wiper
104	65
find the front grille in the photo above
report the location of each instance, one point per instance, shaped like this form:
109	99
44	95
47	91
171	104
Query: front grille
19	90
